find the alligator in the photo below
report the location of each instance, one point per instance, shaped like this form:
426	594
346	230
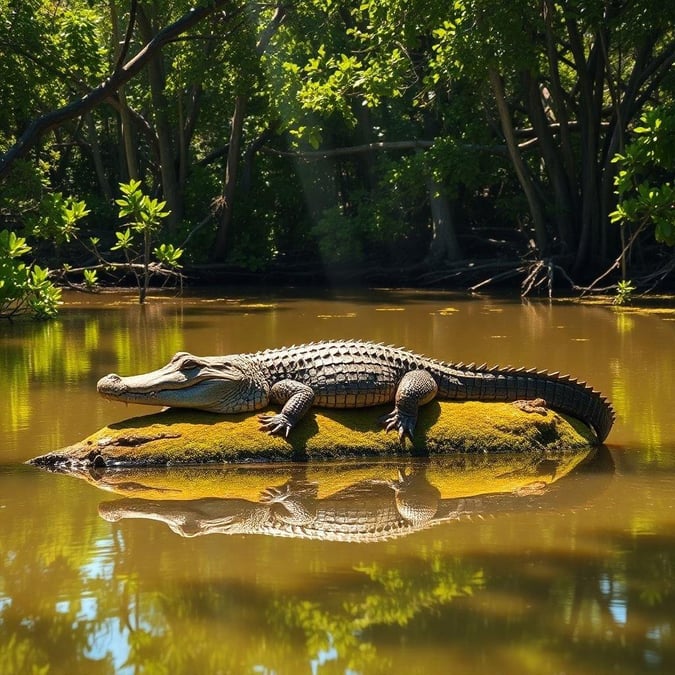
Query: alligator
349	374
367	511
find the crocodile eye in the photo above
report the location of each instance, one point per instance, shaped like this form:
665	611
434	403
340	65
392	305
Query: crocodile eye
189	362
186	361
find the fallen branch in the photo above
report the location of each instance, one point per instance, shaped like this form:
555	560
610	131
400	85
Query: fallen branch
154	268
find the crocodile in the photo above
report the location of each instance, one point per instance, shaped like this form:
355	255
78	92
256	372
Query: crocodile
367	511
349	374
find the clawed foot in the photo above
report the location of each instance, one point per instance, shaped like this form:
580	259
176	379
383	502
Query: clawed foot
274	494
293	503
535	405
402	422
275	424
291	489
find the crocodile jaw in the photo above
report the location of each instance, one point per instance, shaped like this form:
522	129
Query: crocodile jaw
211	384
202	395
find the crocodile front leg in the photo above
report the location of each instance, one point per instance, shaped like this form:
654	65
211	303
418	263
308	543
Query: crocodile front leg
296	398
293	503
416	388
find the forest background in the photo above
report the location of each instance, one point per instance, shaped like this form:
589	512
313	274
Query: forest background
406	141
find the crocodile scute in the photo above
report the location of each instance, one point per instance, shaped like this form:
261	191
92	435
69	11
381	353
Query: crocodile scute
347	374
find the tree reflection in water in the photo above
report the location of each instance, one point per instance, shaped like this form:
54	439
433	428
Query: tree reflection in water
513	581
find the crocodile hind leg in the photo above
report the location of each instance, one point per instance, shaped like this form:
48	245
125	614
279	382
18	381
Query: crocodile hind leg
535	405
296	398
416	388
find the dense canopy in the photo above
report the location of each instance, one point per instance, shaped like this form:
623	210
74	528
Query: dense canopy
420	141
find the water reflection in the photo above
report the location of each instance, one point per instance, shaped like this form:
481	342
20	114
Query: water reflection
541	576
579	578
367	502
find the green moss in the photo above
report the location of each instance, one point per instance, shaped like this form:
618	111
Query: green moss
190	437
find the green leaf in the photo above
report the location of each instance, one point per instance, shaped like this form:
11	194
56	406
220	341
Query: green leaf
124	240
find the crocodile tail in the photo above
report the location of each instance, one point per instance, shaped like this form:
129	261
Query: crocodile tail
561	392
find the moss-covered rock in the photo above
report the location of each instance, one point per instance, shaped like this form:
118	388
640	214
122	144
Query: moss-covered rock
189	437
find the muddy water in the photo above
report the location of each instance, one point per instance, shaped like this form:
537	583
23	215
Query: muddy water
543	565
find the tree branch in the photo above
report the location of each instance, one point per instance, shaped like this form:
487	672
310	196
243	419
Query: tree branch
309	155
120	76
127	38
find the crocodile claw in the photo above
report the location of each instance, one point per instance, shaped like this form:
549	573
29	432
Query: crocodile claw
292	489
273	494
402	422
275	424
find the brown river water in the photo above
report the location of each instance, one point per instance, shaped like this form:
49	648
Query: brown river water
541	564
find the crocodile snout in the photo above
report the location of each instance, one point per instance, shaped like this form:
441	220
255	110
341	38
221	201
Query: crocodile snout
110	384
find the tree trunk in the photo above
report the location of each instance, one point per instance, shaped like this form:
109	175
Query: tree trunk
559	105
230	181
536	210
167	159
103	182
188	123
128	138
590	74
554	163
234	147
444	246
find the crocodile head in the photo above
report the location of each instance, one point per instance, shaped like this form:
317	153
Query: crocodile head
192	517
220	384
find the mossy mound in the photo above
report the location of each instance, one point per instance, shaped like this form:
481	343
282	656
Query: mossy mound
190	437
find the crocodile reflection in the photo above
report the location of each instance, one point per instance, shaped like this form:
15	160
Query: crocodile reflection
367	510
370	510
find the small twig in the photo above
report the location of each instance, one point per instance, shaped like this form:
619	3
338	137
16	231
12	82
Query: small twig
205	221
529	281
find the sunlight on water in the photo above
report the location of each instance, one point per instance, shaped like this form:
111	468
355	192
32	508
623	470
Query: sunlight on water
574	576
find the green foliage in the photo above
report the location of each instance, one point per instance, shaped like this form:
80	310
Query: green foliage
624	292
59	220
24	289
329	76
144	215
58	217
168	255
644	181
90	278
340	237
